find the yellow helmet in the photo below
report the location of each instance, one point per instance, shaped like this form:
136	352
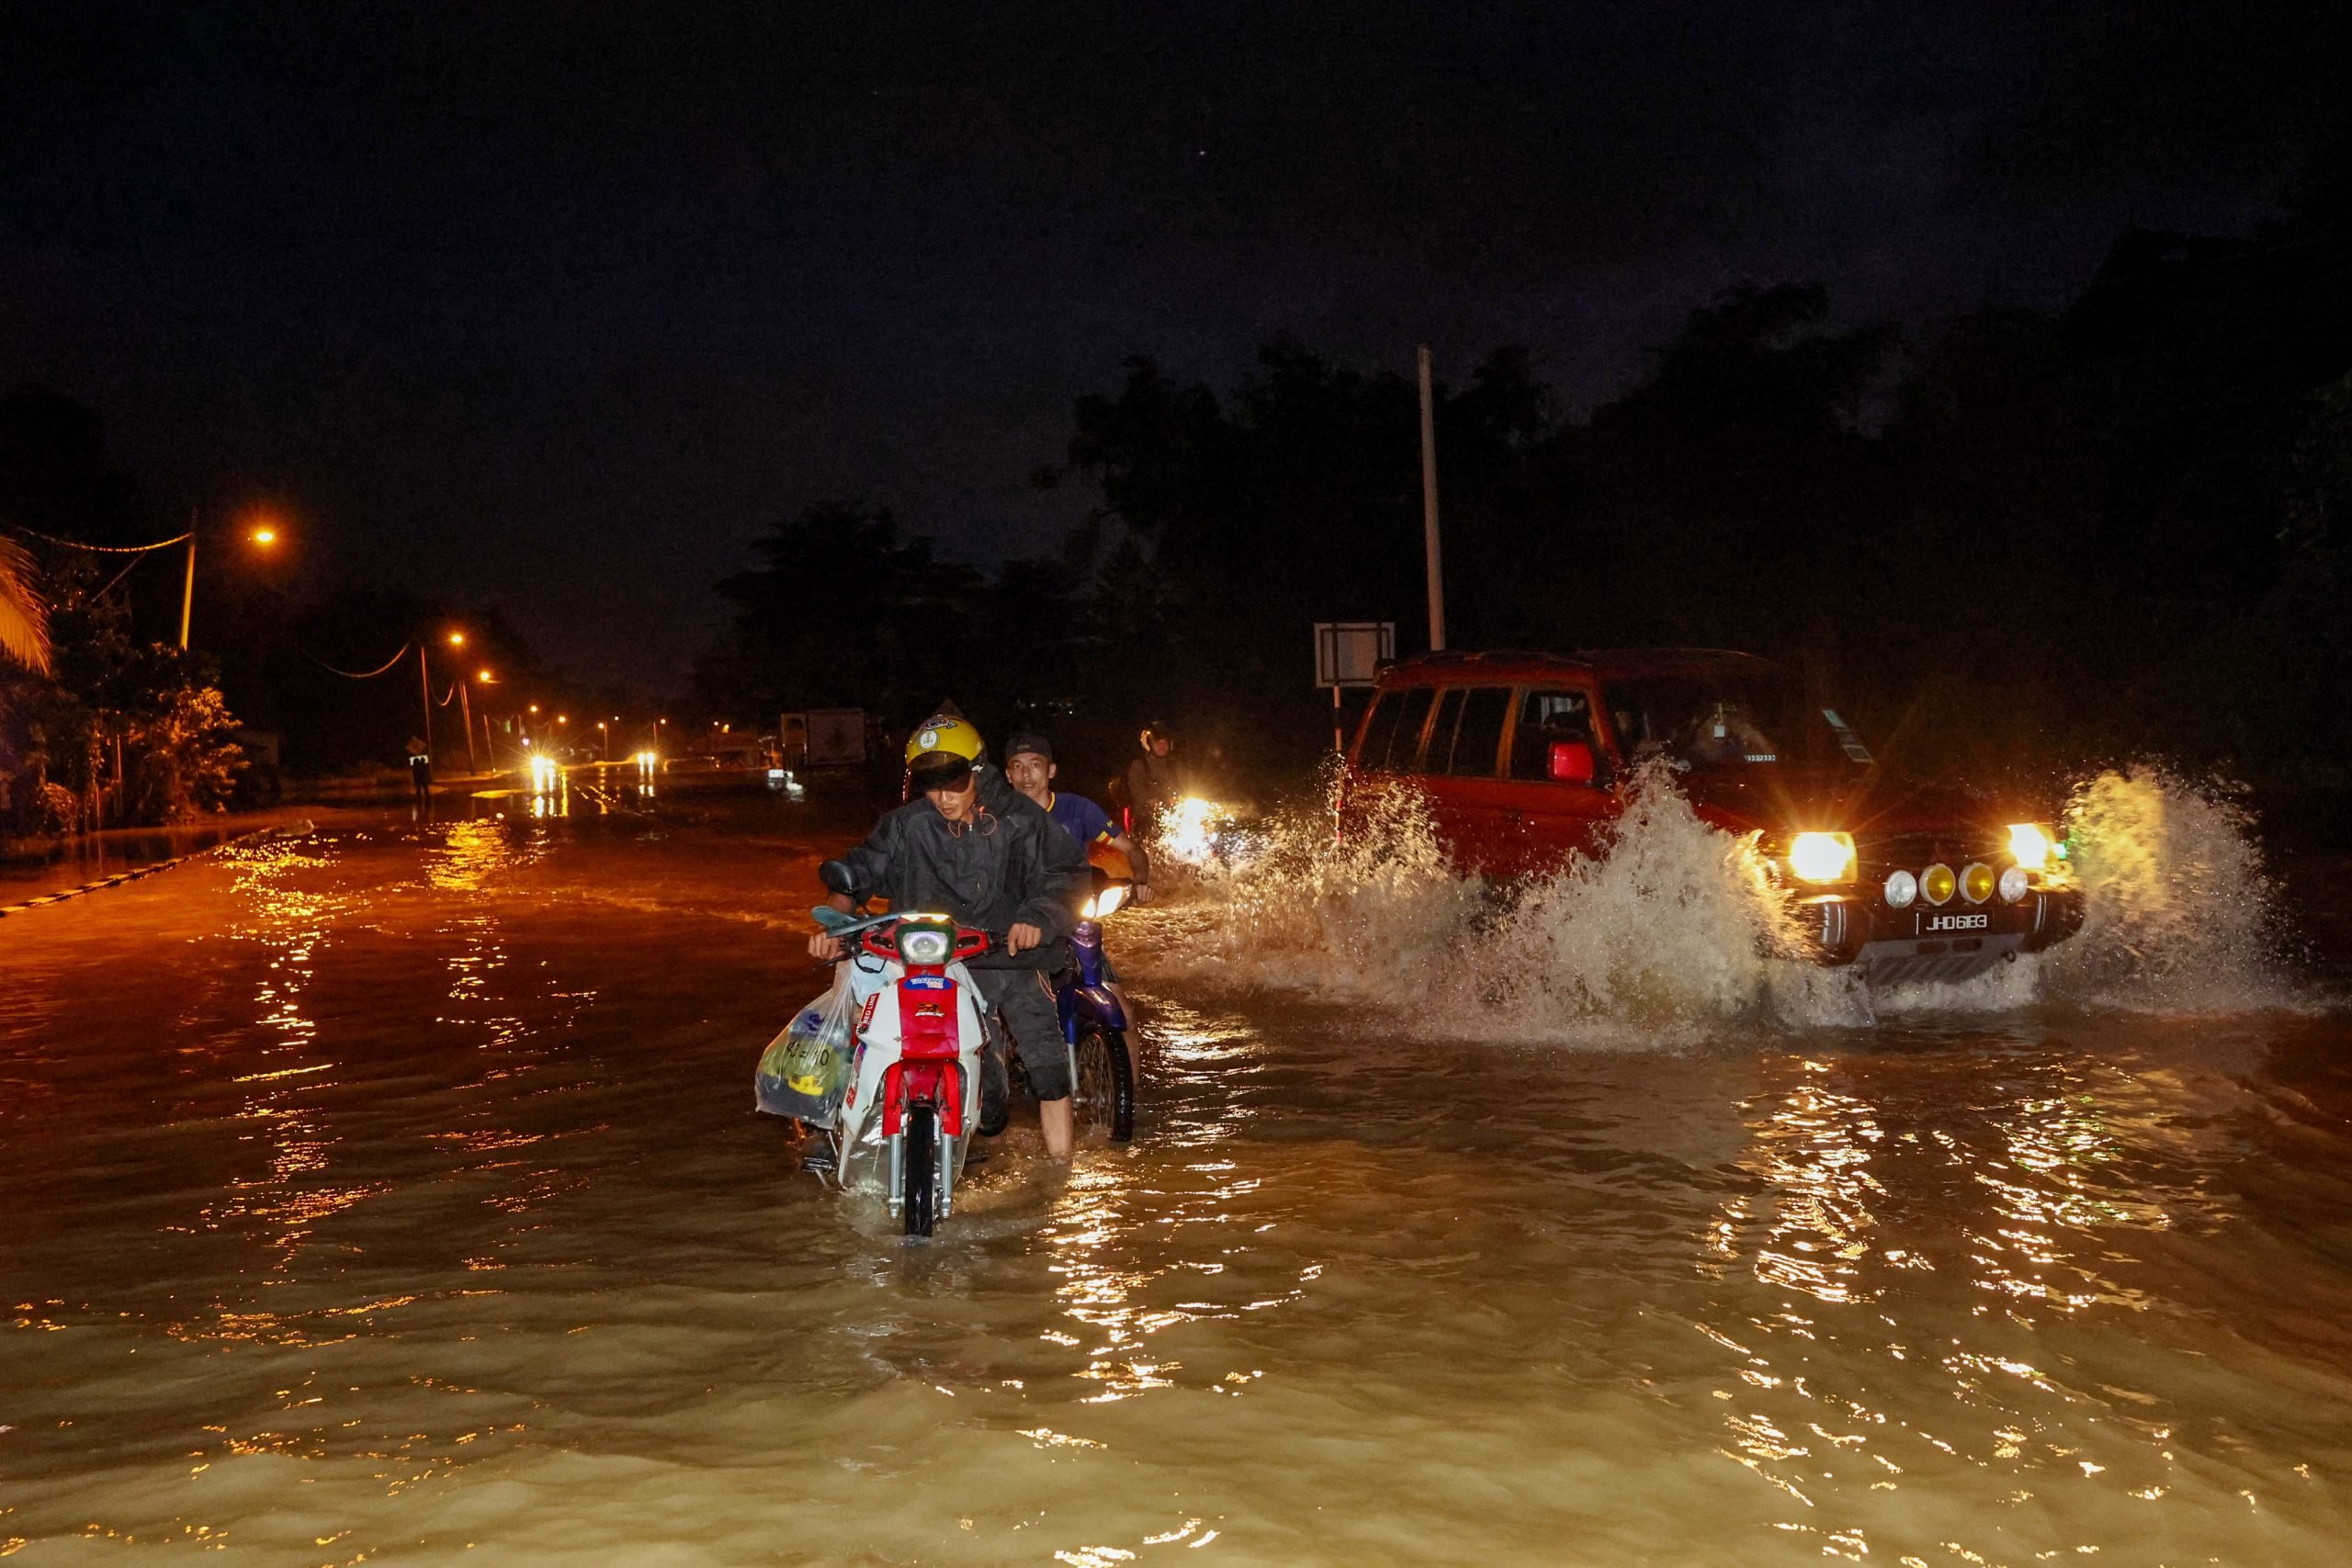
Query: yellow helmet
942	750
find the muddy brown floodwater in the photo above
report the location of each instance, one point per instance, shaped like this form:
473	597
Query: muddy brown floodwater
394	1194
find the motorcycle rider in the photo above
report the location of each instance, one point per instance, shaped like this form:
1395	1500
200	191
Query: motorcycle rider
1029	766
969	845
1155	780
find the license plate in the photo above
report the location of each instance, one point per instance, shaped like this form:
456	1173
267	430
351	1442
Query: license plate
1937	925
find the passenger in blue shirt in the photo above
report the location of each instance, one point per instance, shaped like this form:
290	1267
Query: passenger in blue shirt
1029	768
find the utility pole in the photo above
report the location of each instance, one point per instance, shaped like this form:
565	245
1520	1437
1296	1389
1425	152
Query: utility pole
424	685
465	712
1429	508
187	588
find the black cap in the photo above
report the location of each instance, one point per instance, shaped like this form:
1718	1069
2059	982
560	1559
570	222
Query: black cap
1029	742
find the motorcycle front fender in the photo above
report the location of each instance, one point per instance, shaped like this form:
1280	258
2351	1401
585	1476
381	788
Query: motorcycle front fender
1096	1004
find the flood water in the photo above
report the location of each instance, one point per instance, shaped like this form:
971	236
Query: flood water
394	1194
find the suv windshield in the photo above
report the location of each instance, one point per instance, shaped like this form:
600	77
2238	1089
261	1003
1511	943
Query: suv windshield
1733	719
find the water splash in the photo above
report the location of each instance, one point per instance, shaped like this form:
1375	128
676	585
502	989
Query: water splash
1670	930
2181	916
1663	935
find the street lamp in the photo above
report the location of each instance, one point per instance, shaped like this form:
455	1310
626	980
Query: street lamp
424	682
466	708
261	537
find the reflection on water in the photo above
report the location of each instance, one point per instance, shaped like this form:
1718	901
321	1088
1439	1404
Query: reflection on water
392	1195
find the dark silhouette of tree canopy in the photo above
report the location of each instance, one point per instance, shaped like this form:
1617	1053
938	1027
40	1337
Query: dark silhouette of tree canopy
2013	539
844	611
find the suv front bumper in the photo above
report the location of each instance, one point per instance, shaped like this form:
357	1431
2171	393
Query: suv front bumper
1958	942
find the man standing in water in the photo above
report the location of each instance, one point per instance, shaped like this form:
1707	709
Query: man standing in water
970	845
1155	780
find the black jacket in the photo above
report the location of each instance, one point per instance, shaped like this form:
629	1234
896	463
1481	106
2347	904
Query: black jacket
1012	864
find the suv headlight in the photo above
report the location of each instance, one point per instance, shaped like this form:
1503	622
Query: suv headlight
1822	857
2031	845
925	944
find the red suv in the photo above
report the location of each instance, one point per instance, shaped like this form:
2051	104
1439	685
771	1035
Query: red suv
1523	757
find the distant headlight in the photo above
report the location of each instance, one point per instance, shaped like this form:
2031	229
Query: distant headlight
2031	845
1900	888
925	944
1822	857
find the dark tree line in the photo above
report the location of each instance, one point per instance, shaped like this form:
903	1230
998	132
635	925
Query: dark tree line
2011	539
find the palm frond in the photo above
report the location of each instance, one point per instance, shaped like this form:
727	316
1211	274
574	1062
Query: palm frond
24	618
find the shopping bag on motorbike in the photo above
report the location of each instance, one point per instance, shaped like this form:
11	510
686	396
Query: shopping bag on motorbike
805	1070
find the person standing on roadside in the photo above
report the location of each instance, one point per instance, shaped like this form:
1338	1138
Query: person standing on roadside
420	769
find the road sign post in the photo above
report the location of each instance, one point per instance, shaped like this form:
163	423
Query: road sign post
1350	653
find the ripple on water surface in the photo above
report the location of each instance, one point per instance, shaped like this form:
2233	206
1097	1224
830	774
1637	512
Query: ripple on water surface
394	1192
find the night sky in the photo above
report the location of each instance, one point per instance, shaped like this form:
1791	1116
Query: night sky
559	306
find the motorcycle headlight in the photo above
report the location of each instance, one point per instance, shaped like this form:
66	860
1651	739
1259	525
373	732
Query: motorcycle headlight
1822	857
925	944
1106	903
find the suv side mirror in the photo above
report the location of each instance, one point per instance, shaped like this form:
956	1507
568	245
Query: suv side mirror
1573	761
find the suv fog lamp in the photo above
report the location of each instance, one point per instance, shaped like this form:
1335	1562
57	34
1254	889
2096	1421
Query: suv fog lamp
1977	881
2029	845
1937	884
2013	884
1900	888
925	945
1822	857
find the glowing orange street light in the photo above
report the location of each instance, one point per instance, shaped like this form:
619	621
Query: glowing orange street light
535	707
456	640
486	678
264	536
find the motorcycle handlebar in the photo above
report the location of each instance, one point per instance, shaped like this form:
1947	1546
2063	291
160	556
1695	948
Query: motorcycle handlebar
970	941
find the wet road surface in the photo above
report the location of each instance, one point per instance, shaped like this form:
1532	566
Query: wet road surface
392	1195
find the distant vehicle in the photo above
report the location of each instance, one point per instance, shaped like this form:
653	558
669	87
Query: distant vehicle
1524	757
736	750
835	737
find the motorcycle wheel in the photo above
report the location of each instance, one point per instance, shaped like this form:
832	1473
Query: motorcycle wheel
1106	1091
918	1167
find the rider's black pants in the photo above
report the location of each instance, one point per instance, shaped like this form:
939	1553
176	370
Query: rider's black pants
1023	1002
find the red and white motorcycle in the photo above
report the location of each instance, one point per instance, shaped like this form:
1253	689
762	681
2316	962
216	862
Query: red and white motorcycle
912	1104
